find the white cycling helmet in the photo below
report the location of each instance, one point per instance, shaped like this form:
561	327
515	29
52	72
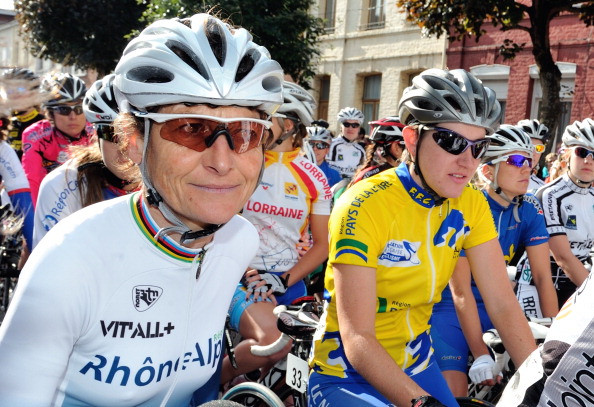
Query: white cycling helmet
199	59
387	130
580	134
99	104
535	129
317	133
64	87
297	102
449	96
350	113
507	139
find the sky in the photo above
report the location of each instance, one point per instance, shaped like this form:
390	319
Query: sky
6	5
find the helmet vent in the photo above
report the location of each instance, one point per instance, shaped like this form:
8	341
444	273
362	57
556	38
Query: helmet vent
247	64
216	40
189	57
146	74
453	102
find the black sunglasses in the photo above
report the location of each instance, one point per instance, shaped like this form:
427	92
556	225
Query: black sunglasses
353	125
455	143
66	110
583	152
319	145
106	132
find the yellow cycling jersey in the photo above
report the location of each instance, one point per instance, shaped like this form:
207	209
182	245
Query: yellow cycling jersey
389	223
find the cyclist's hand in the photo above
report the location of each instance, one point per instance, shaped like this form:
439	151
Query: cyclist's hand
481	371
255	286
426	401
273	284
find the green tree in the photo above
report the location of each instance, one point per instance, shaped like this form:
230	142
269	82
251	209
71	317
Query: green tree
460	18
284	27
86	34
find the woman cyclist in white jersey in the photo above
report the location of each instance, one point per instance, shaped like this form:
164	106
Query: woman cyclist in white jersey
293	196
94	173
568	206
124	302
394	241
460	318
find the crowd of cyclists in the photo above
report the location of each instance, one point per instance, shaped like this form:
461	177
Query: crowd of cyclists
192	191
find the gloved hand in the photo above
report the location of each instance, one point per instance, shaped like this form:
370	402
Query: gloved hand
482	369
426	401
277	284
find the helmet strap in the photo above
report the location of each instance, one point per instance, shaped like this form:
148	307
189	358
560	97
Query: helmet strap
438	200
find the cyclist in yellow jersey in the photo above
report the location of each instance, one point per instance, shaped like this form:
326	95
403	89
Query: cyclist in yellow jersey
394	241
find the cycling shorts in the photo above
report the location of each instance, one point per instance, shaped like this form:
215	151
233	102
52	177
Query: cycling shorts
332	391
239	304
449	344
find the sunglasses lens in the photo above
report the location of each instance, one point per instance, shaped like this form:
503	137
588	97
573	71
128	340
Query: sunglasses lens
539	148
319	146
583	152
65	110
106	132
199	134
353	125
519	161
456	144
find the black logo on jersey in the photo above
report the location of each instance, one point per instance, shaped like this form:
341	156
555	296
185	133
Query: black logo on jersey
144	296
129	329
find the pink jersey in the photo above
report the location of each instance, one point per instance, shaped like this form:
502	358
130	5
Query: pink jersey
45	148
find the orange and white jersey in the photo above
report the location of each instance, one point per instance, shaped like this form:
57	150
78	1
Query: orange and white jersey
291	189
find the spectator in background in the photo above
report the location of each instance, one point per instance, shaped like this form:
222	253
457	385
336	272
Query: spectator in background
45	143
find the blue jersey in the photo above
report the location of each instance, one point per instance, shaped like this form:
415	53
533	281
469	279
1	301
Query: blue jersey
530	231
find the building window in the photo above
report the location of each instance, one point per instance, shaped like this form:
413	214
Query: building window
376	15
324	97
372	86
495	77
328	14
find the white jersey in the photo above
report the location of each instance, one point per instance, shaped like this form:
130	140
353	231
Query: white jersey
59	196
106	315
345	156
292	188
568	210
534	184
560	372
11	170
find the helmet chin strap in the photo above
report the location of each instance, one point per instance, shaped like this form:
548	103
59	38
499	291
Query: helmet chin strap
437	199
155	199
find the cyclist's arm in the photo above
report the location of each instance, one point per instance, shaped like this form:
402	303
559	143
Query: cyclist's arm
32	164
466	308
489	272
540	266
317	253
564	257
356	303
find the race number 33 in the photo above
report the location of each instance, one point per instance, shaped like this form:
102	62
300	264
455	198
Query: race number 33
297	373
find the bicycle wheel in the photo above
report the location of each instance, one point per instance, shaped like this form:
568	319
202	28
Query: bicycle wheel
253	395
472	402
